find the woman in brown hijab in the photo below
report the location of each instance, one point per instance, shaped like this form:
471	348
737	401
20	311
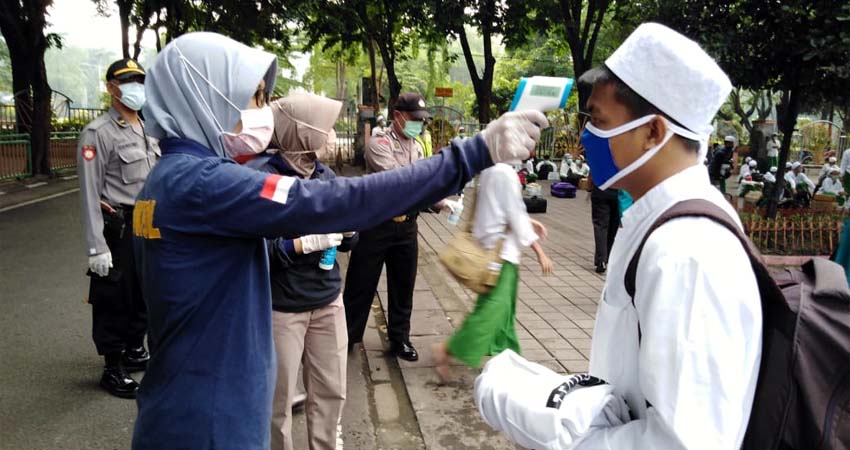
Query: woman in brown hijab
309	316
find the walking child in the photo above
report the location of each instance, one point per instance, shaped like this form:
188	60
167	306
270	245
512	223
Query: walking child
499	214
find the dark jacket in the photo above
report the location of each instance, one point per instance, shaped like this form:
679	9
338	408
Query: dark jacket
203	261
297	282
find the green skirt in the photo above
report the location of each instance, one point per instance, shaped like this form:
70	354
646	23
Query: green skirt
489	329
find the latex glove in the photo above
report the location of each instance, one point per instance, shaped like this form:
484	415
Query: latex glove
318	242
349	234
452	205
100	264
513	136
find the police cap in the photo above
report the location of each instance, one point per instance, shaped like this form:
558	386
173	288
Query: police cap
413	104
124	69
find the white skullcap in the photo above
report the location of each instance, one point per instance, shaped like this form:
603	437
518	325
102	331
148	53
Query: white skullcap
835	170
675	75
753	163
748	159
788	165
774	169
729	138
832	159
796	164
380	118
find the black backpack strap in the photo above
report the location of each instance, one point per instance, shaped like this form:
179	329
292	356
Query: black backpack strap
707	209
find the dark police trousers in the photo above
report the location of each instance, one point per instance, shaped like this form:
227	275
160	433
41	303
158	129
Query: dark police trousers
119	316
605	214
397	245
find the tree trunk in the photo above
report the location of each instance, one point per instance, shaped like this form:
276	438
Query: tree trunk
373	77
42	112
395	86
21	82
124	9
788	122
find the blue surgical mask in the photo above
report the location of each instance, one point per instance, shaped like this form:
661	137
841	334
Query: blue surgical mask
132	95
412	128
596	142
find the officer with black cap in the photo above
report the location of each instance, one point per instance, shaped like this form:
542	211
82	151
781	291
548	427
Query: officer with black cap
394	242
114	157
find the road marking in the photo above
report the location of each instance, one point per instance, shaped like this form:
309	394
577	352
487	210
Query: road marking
70	177
38	200
35	185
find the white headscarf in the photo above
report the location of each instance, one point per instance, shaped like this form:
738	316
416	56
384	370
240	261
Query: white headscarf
186	85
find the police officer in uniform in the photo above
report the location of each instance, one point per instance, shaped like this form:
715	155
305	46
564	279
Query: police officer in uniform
394	242
113	159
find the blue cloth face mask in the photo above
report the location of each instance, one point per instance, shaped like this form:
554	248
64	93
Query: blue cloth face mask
597	147
132	95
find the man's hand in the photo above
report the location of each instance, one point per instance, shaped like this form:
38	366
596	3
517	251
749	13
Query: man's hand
318	242
100	264
539	229
513	136
452	205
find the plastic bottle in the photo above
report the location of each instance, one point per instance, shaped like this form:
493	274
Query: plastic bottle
328	259
454	217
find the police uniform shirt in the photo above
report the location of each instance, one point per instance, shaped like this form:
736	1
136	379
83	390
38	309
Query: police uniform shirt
390	152
113	161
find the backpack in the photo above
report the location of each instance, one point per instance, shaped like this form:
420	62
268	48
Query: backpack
802	398
562	189
535	205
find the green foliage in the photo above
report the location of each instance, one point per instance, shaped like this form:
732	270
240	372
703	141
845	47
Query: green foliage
5	69
62	124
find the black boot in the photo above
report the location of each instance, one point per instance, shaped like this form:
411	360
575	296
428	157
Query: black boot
118	382
135	359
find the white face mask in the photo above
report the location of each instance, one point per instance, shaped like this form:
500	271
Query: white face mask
257	124
257	130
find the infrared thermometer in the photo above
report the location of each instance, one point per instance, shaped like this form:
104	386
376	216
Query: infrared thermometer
541	93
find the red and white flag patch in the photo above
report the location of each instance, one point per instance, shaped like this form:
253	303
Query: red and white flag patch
89	152
276	188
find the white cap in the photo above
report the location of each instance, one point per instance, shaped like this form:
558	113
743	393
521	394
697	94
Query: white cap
729	138
832	159
788	165
796	165
774	169
380	118
675	75
748	159
835	170
753	163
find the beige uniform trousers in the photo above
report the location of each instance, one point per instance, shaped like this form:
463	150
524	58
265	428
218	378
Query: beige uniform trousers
317	339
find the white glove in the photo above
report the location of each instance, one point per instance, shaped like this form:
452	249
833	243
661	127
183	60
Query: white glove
100	264
513	136
349	234
318	242
452	205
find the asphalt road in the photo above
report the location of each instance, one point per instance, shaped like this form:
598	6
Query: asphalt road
49	369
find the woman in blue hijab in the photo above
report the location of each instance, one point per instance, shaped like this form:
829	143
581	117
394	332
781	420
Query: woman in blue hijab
199	228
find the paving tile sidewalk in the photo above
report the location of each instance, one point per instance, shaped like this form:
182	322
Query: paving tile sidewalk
555	317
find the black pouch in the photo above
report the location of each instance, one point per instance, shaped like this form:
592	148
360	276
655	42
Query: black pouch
113	226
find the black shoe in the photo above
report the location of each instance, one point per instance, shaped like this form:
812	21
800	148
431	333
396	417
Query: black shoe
117	382
298	403
600	268
404	350
135	359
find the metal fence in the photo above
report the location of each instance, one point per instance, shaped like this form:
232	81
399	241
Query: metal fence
16	153
15	156
74	118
